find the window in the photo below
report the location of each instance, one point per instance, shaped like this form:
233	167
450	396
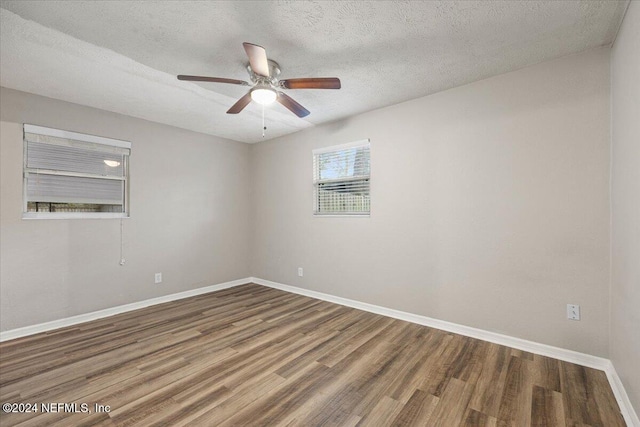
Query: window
72	175
341	177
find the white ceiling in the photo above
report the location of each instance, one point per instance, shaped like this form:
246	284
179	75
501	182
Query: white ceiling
123	56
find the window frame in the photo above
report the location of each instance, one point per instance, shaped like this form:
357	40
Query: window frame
335	148
80	137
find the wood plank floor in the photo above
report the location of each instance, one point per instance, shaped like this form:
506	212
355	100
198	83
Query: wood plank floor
255	356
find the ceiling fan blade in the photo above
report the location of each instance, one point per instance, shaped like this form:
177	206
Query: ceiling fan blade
292	105
239	106
257	58
312	83
212	79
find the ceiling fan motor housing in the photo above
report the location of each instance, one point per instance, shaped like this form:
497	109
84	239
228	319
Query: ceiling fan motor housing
274	72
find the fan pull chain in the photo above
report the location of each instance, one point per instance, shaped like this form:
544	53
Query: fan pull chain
122	260
263	126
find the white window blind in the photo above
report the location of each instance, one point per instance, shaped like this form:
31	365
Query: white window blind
341	176
69	174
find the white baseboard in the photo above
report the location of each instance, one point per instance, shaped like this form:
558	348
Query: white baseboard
81	318
629	414
468	331
583	359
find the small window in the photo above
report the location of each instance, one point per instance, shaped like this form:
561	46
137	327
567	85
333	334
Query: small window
341	176
73	175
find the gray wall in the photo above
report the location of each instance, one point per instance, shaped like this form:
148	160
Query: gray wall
490	206
625	204
189	218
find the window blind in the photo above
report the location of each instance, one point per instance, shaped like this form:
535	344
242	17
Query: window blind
72	170
341	179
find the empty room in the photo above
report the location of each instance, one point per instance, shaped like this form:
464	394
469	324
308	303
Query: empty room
320	213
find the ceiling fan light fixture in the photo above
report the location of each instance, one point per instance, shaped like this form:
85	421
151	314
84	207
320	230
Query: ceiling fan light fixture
263	96
264	74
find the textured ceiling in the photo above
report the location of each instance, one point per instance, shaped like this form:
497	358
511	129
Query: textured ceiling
123	56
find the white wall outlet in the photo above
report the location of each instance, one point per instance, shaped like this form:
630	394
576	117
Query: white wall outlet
158	278
300	272
122	261
573	312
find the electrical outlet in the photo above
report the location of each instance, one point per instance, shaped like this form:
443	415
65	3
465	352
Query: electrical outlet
158	278
573	312
122	261
300	272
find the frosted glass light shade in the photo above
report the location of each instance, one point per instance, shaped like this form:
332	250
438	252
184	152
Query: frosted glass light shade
263	96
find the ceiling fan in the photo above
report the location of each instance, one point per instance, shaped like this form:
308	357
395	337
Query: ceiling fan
264	74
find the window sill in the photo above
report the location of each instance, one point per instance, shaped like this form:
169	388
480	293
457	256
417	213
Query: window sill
73	215
341	215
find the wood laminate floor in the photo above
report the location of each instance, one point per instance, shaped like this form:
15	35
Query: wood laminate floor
255	356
